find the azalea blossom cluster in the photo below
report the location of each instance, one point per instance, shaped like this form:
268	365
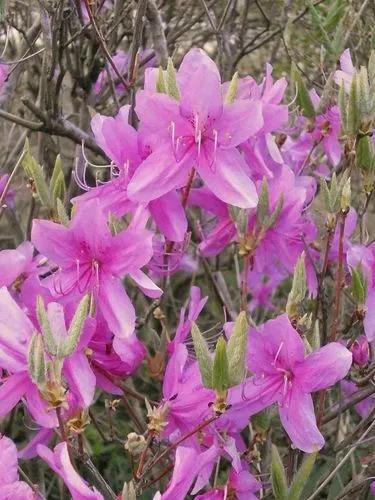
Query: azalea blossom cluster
239	174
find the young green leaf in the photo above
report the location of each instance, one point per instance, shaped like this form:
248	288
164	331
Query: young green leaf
203	356
278	477
236	350
220	369
76	327
301	477
303	98
45	326
36	360
171	83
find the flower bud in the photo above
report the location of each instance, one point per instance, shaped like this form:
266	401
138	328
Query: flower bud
135	443
346	196
361	351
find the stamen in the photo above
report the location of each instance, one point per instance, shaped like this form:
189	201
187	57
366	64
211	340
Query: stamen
278	353
173	130
196	126
199	141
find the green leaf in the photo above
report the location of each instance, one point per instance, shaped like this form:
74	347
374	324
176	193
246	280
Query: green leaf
232	89
278	477
303	98
171	84
328	95
61	213
343	108
363	92
371	66
36	361
45	326
236	350
354	116
220	370
275	214
203	356
334	15
263	203
160	82
35	172
57	183
359	285
76	326
319	25
299	287
301	477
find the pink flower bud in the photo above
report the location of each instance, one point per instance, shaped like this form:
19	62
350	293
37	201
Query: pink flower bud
361	351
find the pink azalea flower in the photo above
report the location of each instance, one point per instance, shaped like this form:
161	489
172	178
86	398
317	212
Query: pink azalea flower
127	148
11	488
90	259
199	131
284	374
345	74
285	239
59	461
16	331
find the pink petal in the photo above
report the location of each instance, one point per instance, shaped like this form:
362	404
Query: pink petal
80	377
275	339
17	491
228	180
39	408
12	264
130	350
12	390
298	419
147	286
157	175
59	462
323	368
116	307
169	216
239	121
41	437
200	101
8	461
90	229
130	250
54	241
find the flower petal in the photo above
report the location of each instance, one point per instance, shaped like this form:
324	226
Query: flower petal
169	216
8	461
157	175
298	419
12	390
228	180
130	250
54	241
323	368
146	284
116	307
239	121
80	377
